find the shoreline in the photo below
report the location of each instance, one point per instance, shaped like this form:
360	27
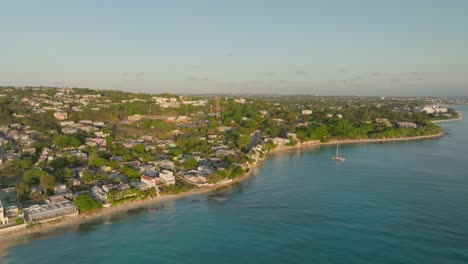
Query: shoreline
460	117
305	144
15	236
9	237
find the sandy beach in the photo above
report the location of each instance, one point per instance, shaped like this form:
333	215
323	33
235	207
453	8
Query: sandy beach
10	236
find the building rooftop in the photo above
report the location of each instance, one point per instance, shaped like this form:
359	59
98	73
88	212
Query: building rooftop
48	207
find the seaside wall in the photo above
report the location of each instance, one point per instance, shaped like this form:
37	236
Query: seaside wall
11	229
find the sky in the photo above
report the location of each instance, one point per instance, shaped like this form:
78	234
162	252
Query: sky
347	47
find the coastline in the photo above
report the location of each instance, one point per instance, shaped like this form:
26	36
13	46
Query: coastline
460	117
20	234
13	236
352	141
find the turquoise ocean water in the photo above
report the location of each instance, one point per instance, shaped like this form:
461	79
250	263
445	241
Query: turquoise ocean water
402	202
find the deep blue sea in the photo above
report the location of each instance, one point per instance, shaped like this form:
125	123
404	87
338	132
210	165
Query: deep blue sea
402	202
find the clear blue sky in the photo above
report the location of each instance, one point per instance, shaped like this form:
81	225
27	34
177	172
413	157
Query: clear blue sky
360	47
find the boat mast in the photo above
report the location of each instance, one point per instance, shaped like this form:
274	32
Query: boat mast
336	150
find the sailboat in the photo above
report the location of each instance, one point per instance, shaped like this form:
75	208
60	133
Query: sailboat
337	157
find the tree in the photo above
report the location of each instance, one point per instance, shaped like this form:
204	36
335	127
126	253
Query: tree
86	203
59	163
74	142
99	162
243	141
63	142
140	148
131	172
88	176
47	182
25	163
62	175
109	140
190	163
23	191
32	176
127	157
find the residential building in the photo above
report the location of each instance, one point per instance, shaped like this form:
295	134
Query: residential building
60	115
150	181
406	125
108	187
45	212
292	136
167	177
99	194
3	218
140	186
9	198
58	198
383	121
434	109
61	189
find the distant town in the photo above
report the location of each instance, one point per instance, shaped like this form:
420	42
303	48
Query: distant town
69	151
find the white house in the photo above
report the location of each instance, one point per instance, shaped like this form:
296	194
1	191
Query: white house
150	181
167	177
434	109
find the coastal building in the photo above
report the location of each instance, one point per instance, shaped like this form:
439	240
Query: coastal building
167	177
61	189
9	199
292	136
99	194
383	121
3	218
46	212
195	176
58	198
434	109
406	125
108	187
150	181
140	186
278	141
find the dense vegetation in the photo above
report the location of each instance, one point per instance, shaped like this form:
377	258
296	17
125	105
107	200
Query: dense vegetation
86	203
240	126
